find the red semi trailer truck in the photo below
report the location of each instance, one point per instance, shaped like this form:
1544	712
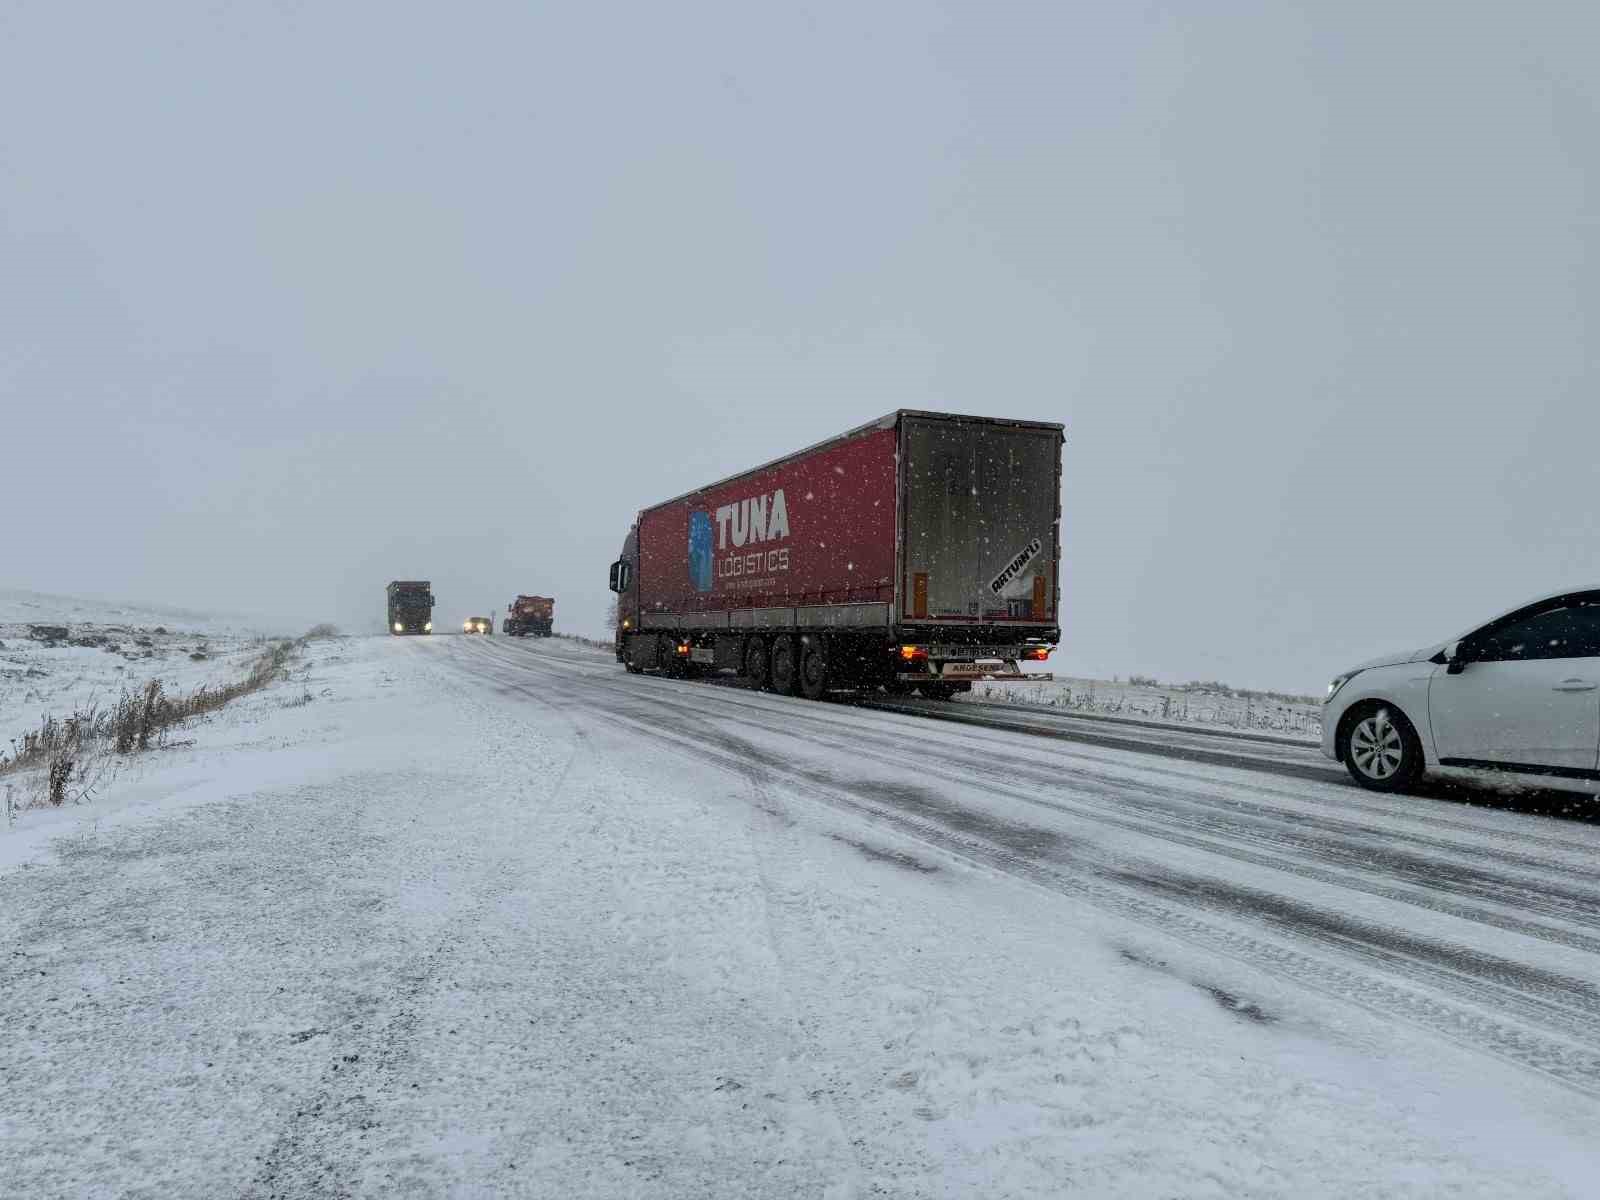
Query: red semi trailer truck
919	551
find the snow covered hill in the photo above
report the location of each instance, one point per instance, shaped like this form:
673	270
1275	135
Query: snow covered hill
62	653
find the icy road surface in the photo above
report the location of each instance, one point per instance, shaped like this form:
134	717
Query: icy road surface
491	917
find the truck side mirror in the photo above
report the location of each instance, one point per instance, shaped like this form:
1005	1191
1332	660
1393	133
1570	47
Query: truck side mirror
616	577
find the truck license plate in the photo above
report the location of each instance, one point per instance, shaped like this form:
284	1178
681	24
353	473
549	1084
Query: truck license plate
979	670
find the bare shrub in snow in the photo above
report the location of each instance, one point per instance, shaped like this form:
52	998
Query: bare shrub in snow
69	758
583	641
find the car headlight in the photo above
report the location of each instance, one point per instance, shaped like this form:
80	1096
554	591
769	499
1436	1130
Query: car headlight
1337	685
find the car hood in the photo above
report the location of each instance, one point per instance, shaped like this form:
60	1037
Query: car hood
1408	656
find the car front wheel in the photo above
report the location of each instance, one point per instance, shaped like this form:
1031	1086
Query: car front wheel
1380	748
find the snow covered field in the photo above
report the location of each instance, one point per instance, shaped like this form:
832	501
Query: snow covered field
108	647
490	917
1168	704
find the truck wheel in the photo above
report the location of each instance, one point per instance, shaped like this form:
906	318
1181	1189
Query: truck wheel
785	667
813	669
667	660
938	691
755	664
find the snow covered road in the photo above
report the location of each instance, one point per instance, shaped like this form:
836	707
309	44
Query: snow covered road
495	918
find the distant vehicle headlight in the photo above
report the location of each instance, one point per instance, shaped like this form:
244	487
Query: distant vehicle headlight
1338	684
428	627
399	628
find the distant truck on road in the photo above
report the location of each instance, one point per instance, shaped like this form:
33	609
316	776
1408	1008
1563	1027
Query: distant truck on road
410	606
529	614
919	551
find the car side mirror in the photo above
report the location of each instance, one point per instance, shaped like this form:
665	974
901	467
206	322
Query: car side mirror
1463	654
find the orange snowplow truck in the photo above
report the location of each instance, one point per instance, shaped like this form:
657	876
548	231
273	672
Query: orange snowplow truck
529	614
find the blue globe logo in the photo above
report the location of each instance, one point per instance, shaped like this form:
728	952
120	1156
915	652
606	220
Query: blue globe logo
700	550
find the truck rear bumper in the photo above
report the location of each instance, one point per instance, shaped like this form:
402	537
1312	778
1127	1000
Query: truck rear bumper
969	674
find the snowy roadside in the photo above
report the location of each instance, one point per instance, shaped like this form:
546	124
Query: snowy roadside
436	933
1182	707
54	664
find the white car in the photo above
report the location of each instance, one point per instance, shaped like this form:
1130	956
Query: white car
1518	696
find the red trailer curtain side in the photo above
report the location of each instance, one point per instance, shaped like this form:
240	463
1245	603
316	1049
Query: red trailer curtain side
815	529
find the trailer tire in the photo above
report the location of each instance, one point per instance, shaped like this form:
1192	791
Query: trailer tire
813	668
667	660
785	667
756	664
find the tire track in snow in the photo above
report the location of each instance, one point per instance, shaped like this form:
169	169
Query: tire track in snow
1351	856
734	697
1450	989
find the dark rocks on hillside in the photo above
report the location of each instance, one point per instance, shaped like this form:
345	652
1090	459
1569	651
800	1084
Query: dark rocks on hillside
145	642
48	633
161	629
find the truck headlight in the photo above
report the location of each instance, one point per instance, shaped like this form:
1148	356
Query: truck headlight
399	628
427	627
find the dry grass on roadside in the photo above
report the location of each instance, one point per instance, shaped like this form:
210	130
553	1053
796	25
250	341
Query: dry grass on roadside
74	755
583	641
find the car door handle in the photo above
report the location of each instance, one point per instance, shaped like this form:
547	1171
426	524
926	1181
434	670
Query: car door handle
1576	685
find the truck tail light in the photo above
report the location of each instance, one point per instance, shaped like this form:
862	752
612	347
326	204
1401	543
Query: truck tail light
1037	653
913	653
683	649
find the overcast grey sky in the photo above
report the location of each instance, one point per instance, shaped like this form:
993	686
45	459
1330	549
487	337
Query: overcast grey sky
296	299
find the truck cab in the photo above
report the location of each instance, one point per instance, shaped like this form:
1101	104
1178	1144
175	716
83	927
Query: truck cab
410	607
529	615
624	581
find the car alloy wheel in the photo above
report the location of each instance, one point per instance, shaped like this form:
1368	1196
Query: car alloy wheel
1377	747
